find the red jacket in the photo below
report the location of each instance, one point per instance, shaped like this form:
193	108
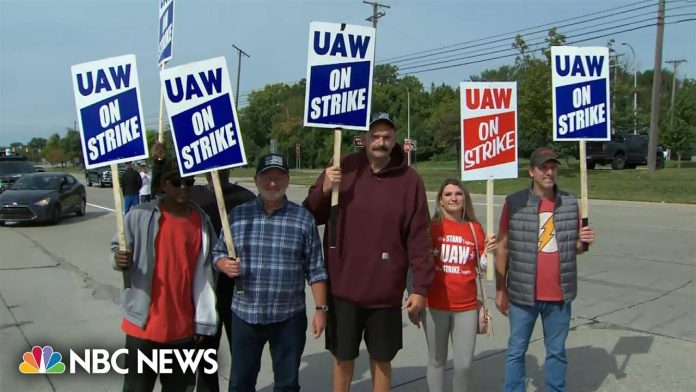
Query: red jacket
382	229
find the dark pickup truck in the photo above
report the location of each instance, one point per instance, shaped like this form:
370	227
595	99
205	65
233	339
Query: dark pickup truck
622	152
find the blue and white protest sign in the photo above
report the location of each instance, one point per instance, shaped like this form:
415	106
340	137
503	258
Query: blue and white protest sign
107	96
202	116
580	80
166	31
339	76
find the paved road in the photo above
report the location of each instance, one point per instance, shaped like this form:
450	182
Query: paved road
634	325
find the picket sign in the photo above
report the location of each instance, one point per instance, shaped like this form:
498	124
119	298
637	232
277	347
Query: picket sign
581	103
205	127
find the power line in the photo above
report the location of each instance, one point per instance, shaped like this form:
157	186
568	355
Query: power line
516	32
430	58
540	49
440	61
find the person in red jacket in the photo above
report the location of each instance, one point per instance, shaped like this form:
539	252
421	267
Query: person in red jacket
451	308
381	230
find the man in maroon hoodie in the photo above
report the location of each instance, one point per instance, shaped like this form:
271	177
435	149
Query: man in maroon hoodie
381	231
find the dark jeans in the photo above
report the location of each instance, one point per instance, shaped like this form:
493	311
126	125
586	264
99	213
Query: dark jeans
286	340
224	291
555	319
177	381
130	201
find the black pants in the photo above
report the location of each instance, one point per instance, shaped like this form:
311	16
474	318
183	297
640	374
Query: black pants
224	291
177	381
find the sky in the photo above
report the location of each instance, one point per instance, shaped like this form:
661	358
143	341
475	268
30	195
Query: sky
41	40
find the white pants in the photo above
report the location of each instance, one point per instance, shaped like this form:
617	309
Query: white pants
441	326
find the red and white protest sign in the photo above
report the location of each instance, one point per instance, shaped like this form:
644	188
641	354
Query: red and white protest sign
489	130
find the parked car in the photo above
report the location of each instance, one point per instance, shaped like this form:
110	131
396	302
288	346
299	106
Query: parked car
622	152
13	167
100	176
42	197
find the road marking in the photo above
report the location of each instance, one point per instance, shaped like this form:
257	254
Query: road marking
103	208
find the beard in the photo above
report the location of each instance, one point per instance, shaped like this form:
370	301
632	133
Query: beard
273	196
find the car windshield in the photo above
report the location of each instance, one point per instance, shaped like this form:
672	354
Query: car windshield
35	183
15	167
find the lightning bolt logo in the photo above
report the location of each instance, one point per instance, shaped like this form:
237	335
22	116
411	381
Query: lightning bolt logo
546	232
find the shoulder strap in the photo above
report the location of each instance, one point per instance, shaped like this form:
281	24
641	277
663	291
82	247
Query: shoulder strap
479	274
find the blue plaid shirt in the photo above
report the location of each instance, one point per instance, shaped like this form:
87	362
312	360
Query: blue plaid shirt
277	253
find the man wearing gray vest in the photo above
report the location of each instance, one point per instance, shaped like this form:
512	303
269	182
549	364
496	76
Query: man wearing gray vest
540	234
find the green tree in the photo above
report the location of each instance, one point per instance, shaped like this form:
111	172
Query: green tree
53	151
680	135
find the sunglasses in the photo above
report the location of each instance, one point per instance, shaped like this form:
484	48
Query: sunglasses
177	182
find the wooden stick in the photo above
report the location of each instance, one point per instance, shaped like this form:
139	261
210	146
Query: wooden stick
584	213
118	203
490	257
161	111
334	192
220	198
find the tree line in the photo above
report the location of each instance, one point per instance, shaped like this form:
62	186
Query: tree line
275	112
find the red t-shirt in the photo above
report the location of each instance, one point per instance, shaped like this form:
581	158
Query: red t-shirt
454	284
171	313
548	274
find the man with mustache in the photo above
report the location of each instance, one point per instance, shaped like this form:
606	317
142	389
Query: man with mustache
278	249
382	230
540	235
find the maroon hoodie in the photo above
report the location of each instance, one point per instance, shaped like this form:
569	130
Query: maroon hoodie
382	229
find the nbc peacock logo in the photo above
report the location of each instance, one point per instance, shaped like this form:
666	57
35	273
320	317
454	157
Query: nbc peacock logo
41	361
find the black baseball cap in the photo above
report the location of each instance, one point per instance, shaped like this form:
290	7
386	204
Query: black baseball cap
272	161
381	116
542	155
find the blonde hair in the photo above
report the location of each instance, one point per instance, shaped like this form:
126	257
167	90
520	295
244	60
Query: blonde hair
468	211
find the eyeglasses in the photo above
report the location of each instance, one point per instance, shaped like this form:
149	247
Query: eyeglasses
177	182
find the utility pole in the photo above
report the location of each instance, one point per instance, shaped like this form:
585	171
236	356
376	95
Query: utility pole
675	64
376	13
657	81
239	69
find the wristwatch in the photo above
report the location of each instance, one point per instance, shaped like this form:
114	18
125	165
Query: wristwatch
323	308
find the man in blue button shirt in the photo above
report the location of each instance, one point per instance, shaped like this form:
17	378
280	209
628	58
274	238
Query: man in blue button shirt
278	248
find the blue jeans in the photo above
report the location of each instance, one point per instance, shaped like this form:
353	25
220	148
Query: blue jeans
286	340
130	201
555	319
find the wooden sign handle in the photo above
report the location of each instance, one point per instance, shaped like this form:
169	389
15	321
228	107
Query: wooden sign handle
334	191
160	136
118	203
584	213
490	257
220	198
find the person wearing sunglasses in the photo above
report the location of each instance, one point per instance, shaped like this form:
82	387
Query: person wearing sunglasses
203	195
170	303
278	250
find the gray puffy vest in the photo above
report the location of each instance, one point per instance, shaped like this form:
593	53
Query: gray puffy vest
523	242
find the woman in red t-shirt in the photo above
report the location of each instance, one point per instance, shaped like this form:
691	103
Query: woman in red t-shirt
451	307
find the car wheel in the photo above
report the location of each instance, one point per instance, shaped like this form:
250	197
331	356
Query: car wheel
55	215
591	165
82	207
89	182
618	163
2	223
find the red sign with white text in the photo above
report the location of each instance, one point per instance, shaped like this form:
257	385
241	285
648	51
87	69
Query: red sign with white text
489	130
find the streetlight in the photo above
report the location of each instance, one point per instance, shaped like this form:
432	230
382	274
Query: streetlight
635	88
